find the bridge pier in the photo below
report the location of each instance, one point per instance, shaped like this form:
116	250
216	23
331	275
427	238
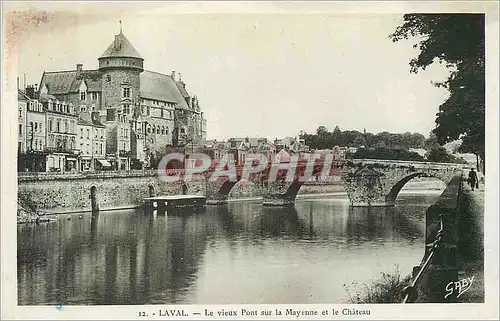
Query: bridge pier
281	193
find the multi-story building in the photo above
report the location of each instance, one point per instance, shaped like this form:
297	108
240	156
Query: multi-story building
22	105
144	112
91	142
60	135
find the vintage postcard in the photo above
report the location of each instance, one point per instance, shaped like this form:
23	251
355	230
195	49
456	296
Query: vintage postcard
250	160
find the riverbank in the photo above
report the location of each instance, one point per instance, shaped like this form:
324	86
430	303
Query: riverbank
469	223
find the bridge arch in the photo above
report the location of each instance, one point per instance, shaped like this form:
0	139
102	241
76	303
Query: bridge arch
377	183
390	198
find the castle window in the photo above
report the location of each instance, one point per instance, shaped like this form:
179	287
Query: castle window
108	77
126	92
58	126
163	130
50	125
36	127
81	132
83	96
154	129
162	113
166	131
94	96
83	108
126	109
158	130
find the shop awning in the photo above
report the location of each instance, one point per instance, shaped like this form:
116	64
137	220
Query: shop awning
104	162
71	159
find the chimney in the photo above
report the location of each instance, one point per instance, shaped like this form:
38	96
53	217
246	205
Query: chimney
36	87
30	91
79	67
173	75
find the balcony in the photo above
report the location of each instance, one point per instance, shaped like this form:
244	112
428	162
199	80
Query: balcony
64	150
124	153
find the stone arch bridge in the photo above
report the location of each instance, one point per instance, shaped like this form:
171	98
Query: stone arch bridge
367	182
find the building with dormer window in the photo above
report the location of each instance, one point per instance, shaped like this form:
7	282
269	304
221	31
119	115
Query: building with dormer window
144	112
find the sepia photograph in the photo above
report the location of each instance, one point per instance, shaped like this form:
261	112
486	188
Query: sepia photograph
245	158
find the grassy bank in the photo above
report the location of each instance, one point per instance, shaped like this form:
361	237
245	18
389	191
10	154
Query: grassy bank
388	288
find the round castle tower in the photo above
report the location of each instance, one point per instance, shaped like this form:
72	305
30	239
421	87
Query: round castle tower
120	66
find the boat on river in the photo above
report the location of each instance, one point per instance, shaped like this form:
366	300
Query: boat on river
162	203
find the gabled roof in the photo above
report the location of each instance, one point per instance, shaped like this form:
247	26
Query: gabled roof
92	79
83	122
47	97
58	82
21	96
121	47
63	82
161	87
96	121
182	88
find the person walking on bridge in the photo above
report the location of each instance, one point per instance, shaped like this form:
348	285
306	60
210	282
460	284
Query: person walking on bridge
473	181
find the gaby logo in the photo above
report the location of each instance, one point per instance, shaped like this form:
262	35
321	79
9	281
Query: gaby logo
460	287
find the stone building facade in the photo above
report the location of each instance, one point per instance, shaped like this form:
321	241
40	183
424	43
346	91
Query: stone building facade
144	112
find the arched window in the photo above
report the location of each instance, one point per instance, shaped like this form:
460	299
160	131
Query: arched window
166	131
163	130
149	129
154	129
158	129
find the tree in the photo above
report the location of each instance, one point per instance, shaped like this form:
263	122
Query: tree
431	142
458	41
441	155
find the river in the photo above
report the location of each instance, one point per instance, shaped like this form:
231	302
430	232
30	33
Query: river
239	253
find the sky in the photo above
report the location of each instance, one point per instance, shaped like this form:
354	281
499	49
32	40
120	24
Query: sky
266	75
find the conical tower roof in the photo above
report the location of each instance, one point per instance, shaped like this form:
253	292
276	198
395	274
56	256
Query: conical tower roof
121	47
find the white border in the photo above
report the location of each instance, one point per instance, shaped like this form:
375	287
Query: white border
488	310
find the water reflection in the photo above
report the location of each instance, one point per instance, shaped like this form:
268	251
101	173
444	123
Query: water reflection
238	253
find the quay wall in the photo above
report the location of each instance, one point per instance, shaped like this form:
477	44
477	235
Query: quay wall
57	193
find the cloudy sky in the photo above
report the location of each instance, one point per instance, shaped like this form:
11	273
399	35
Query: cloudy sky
268	75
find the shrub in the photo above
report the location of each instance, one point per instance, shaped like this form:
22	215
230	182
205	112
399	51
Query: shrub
387	289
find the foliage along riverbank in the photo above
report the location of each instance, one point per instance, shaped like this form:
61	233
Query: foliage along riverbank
386	289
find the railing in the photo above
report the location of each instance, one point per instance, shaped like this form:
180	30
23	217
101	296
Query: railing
384	161
410	291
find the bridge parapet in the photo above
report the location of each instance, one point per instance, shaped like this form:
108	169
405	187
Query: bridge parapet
378	182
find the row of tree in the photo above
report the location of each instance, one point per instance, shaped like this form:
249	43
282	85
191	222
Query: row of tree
324	139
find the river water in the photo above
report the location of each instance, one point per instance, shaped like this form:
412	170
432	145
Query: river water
240	253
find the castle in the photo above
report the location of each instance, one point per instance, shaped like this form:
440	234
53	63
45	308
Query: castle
120	113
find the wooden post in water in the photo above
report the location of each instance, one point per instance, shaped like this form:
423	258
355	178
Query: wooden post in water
93	200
